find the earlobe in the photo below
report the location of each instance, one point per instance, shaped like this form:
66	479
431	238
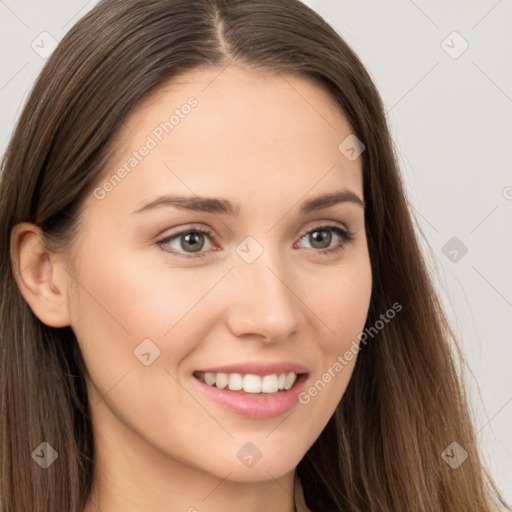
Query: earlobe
40	275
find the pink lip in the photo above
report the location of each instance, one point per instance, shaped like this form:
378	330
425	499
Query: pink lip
255	406
258	368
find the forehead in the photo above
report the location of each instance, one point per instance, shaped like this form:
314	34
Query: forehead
211	131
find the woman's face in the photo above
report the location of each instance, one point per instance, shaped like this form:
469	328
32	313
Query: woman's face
264	283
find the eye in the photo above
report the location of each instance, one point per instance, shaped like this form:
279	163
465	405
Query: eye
321	237
192	238
190	241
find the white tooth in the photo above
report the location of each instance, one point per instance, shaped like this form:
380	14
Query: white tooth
209	378
252	383
269	384
290	379
221	380
235	381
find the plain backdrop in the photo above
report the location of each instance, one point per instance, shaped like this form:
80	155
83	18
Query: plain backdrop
444	72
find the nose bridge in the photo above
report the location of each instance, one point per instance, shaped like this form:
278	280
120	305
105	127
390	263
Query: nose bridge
263	302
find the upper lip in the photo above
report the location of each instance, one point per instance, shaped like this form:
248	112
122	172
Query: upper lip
258	368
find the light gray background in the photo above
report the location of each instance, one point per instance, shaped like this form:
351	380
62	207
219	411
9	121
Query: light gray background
451	119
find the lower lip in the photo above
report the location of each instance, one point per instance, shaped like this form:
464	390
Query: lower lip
256	406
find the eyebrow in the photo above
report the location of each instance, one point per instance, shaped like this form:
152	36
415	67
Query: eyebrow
224	207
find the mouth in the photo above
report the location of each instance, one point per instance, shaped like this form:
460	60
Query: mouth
249	383
252	396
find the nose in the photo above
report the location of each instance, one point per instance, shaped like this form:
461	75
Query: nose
261	300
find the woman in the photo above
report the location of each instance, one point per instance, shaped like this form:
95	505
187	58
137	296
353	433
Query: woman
173	338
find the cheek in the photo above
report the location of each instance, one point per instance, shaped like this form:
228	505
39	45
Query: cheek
341	301
129	296
127	300
341	305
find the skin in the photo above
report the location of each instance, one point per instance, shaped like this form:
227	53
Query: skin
267	143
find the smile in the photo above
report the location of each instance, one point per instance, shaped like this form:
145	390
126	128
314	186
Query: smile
249	383
252	396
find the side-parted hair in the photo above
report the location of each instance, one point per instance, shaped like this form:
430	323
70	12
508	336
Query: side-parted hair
405	403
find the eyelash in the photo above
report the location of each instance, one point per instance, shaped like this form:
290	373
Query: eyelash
345	235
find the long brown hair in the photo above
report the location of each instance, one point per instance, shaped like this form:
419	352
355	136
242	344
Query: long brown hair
405	403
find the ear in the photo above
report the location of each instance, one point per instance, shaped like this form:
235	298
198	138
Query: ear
41	275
